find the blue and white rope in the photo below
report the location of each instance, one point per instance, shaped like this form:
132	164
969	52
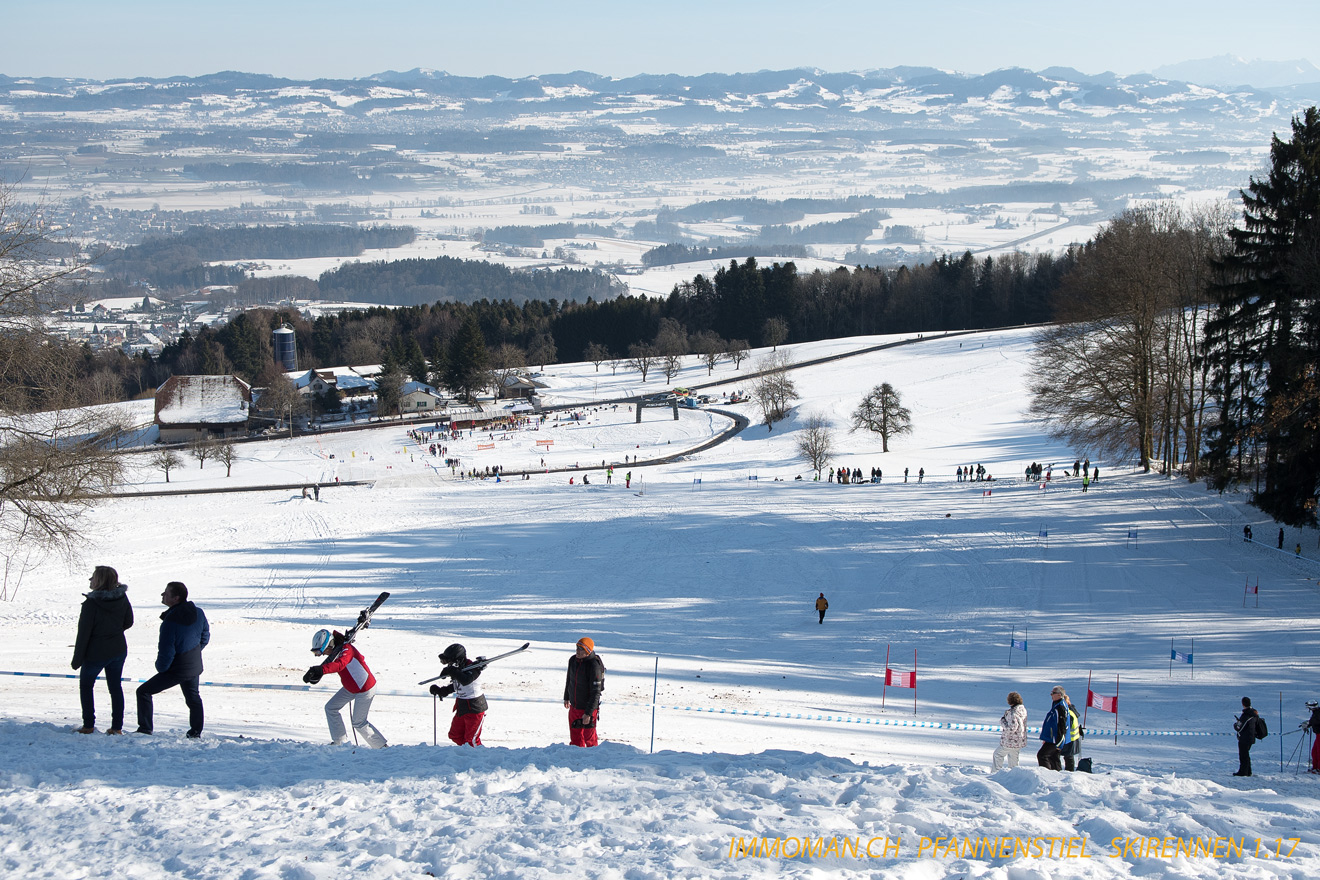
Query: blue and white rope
710	710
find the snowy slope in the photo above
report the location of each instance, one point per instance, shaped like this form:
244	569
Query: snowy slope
711	583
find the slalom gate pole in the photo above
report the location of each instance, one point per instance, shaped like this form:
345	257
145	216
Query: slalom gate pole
1026	652
1193	663
1011	637
435	720
1280	731
1171	656
914	682
1116	676
1087	707
884	688
655	689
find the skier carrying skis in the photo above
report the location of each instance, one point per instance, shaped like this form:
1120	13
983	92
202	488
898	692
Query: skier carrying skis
358	687
470	700
582	690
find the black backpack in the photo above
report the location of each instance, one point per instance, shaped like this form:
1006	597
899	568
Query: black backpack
1261	730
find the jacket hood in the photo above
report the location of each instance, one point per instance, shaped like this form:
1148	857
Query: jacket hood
184	614
113	594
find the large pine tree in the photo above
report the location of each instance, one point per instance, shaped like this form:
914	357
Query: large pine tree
1265	339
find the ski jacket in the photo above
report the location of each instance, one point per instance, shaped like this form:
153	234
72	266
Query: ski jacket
184	632
821	604
104	617
1014	724
1314	722
1060	725
354	674
469	698
1246	726
585	682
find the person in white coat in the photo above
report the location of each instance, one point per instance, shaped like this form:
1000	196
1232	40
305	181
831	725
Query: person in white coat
1013	736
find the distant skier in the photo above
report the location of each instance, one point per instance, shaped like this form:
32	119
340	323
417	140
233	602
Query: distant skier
822	604
627	480
921	474
582	690
1280	539
358	687
470	700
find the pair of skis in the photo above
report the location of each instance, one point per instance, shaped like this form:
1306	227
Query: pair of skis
364	621
482	663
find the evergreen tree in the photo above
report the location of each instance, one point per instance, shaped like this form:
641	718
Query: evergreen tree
466	361
1265	337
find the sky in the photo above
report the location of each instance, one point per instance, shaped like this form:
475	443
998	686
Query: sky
336	39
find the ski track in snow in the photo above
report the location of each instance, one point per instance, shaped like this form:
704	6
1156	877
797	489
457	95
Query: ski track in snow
713	584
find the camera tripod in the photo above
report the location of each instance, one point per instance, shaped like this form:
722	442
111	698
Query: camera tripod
1300	757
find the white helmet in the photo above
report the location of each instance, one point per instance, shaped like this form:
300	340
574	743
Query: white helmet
321	641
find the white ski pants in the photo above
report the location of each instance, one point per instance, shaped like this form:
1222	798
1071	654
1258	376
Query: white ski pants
1001	753
358	716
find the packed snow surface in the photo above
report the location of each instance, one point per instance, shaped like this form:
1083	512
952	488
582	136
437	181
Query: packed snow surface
773	746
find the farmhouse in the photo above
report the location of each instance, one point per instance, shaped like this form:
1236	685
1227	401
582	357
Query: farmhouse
202	408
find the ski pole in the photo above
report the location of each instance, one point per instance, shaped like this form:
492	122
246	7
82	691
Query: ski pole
435	720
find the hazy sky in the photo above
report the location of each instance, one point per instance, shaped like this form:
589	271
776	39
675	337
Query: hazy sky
105	39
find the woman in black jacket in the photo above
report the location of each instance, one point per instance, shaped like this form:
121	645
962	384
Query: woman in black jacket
106	614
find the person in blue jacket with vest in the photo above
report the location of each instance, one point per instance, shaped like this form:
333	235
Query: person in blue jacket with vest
184	632
1059	733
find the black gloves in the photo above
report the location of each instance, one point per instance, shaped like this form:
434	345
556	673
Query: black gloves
313	675
442	692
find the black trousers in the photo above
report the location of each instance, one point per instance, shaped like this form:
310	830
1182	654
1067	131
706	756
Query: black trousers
822	616
1051	758
1244	757
114	671
162	681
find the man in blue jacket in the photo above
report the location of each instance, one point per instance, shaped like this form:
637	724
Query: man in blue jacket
184	632
1058	732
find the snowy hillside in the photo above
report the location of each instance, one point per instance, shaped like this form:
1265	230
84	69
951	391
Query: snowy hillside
698	582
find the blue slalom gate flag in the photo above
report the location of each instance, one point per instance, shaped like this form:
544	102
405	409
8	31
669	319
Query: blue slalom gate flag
1180	657
1020	644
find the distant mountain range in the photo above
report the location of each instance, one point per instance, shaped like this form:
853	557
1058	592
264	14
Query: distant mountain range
1228	71
1012	99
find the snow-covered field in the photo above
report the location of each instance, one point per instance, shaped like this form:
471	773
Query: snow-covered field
769	726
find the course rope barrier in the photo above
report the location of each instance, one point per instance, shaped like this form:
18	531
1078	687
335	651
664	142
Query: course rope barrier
708	710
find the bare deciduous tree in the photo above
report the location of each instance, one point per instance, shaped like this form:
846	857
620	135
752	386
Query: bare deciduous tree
882	412
166	460
201	449
737	352
710	348
226	452
596	354
56	461
1119	374
815	442
642	358
774	391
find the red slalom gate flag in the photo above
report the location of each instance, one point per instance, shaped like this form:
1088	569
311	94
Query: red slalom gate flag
1104	704
893	678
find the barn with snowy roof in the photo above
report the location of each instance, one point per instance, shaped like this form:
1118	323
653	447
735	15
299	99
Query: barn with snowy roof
202	408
